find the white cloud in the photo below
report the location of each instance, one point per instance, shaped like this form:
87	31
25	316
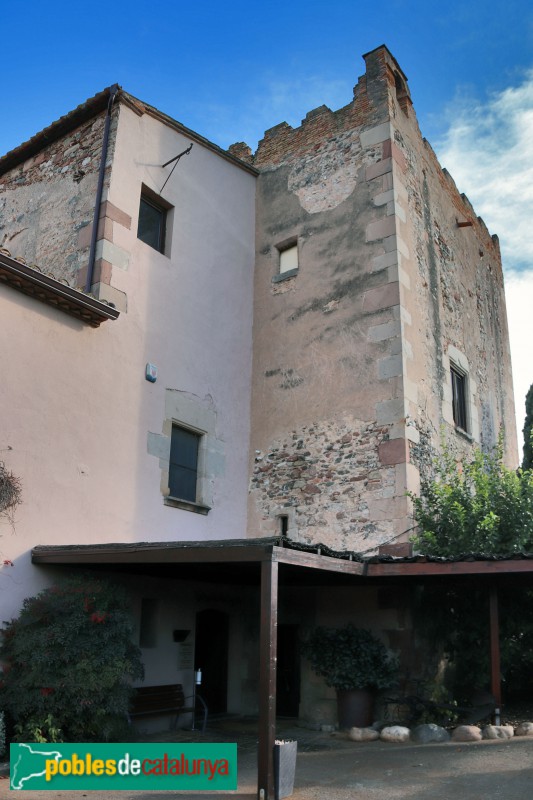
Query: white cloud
488	149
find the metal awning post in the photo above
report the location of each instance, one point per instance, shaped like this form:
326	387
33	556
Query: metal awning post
267	679
495	672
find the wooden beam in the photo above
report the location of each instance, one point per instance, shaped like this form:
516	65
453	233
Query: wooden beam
449	568
300	558
159	553
495	673
268	635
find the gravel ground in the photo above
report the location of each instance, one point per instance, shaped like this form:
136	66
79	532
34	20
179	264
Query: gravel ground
329	767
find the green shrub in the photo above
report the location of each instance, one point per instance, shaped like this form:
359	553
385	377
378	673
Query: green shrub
350	658
69	662
479	507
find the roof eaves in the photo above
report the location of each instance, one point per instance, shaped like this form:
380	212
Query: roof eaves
31	281
137	105
82	113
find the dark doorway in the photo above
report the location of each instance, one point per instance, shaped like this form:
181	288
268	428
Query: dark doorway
288	674
211	656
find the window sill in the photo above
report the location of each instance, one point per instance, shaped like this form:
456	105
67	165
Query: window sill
186	505
464	434
283	276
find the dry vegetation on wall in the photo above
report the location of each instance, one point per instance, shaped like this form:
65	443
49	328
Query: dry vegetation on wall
10	492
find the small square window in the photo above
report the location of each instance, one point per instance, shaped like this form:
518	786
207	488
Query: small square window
288	259
153	219
459	380
183	466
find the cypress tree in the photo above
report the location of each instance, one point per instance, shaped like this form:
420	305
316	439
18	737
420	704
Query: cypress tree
527	463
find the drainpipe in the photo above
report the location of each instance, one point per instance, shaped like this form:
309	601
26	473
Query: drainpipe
100	188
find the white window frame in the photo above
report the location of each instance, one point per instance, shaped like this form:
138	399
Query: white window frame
457	360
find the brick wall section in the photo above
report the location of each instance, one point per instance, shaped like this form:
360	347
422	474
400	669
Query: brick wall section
46	202
283	143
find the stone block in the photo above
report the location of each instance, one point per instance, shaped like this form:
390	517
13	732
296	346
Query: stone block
113	254
391	150
381	229
387	330
395	733
395	209
380	133
363	734
466	733
108	294
107	209
424	734
102	271
381	297
390	367
383	198
379	168
524	729
393	451
385	260
498	732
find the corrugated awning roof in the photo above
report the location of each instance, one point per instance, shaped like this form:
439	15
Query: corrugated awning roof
168	557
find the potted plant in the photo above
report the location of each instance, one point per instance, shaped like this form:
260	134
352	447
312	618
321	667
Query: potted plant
356	663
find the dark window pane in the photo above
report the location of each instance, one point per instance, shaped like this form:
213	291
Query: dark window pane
151	229
184	447
183	467
459	398
182	483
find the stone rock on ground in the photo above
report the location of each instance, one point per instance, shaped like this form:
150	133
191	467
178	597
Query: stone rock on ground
524	729
395	733
466	733
429	733
363	734
498	732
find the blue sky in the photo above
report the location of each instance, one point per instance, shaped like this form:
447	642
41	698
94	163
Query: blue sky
231	70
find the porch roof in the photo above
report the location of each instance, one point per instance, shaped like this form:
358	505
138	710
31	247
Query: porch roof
271	562
239	560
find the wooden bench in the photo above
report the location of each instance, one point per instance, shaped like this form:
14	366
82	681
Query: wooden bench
166	699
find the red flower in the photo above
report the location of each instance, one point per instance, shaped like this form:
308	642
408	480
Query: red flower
96	617
46	690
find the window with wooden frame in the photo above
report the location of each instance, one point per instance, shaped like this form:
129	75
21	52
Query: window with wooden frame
288	259
153	220
459	395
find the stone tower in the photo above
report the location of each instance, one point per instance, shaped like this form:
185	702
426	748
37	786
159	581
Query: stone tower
379	320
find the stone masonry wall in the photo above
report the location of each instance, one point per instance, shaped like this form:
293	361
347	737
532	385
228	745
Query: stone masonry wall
456	302
328	346
321	477
47	203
